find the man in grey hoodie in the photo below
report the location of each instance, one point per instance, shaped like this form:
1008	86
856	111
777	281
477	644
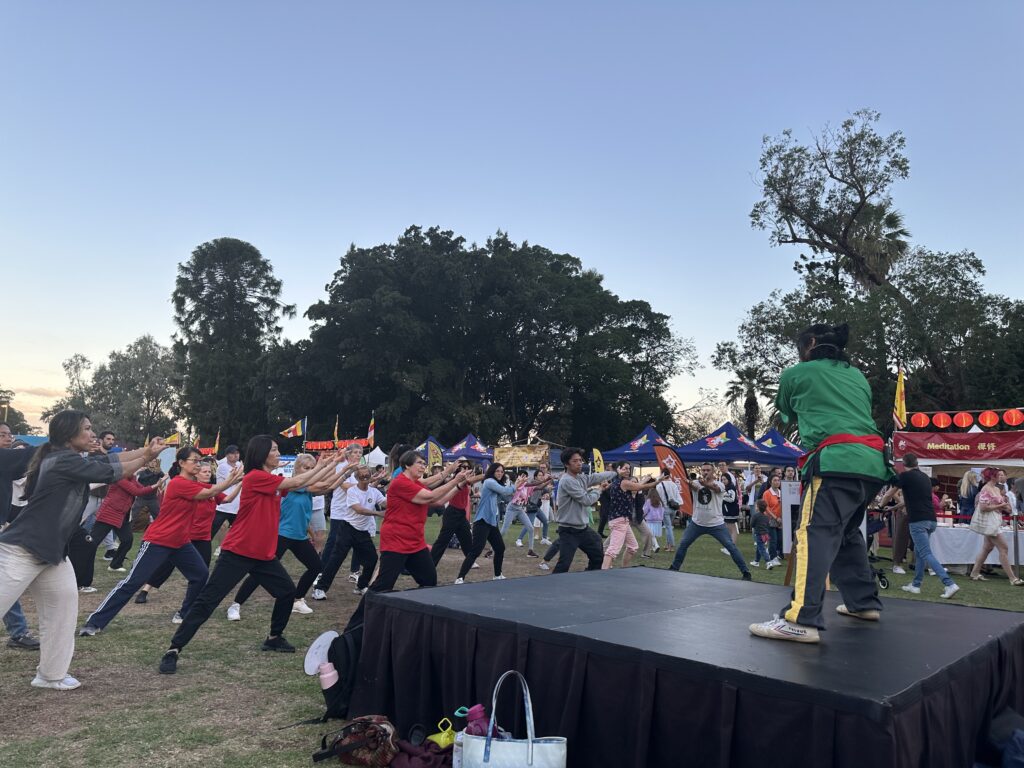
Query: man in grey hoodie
576	492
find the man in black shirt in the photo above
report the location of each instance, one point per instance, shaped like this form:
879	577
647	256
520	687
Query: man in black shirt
918	496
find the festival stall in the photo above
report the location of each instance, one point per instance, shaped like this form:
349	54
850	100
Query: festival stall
779	446
639	450
469	447
947	456
726	443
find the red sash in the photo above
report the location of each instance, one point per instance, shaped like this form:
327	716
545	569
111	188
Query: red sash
871	441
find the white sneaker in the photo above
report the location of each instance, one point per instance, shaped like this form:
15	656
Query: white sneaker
353	577
949	591
87	590
725	551
931	572
755	563
519	542
176	618
544	567
234	612
780	629
911	589
299	606
319	594
498	578
897	569
117	570
67	684
475	565
546	542
773	563
460	581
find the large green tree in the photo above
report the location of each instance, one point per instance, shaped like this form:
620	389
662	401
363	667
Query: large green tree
507	340
227	309
131	394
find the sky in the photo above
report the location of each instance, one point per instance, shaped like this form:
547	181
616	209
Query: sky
626	134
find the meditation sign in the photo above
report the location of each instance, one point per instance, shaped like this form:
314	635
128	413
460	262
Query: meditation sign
975	447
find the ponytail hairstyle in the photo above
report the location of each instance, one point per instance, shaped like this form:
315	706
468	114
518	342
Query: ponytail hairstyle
829	342
654	497
63	428
183	454
256	452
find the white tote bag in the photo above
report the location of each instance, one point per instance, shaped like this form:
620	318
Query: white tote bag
485	752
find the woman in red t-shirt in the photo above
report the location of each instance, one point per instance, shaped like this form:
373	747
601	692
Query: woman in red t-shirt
166	540
250	547
402	545
202	523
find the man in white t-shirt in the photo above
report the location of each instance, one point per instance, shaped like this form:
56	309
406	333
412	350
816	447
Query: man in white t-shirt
708	495
669	492
344	470
228	510
361	506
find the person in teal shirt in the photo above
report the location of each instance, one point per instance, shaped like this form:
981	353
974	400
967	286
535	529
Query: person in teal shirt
831	402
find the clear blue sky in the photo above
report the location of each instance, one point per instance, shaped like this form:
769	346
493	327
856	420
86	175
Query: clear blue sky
627	134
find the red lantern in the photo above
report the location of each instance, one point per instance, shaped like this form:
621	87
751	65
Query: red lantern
919	420
1013	417
963	419
942	420
988	419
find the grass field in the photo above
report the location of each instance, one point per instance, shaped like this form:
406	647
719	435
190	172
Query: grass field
227	701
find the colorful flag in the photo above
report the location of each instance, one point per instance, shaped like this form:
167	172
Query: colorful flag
369	432
196	444
434	457
216	443
174	439
336	416
598	461
298	429
899	407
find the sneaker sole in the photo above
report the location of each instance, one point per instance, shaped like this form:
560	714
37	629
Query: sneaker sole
863	615
808	639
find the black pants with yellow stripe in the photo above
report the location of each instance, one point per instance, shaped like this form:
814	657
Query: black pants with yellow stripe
829	542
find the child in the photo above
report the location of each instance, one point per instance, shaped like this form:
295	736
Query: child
654	512
760	523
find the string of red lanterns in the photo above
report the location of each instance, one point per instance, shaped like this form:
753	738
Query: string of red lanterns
1012	417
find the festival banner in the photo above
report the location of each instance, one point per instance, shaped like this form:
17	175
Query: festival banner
598	461
370	431
669	459
434	457
173	440
521	455
319	445
966	447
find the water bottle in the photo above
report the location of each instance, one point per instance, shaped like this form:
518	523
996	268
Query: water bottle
328	675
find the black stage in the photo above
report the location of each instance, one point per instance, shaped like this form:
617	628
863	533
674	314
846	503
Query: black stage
643	666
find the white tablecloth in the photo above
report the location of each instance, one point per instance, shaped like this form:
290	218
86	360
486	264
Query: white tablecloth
959	546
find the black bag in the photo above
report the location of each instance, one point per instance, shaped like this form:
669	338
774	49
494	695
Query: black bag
344	655
670	503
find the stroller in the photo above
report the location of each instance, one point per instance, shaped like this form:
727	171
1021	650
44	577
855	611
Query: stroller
876	522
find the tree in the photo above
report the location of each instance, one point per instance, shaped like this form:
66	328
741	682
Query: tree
227	308
76	368
748	386
507	340
14	418
834	196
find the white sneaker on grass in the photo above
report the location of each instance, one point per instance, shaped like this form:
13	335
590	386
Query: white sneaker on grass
546	541
87	590
460	581
899	570
319	594
176	618
755	563
544	567
725	551
949	591
911	589
299	606
499	577
234	612
519	542
67	684
475	565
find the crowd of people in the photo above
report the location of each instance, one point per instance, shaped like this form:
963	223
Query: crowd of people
78	492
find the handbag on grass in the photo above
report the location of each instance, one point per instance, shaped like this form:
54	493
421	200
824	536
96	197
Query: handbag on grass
488	752
368	740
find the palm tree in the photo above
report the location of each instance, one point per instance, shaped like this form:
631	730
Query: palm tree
749	384
879	239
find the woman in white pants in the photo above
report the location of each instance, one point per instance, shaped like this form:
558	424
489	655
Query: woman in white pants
33	548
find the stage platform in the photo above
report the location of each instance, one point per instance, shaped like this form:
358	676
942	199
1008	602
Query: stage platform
646	667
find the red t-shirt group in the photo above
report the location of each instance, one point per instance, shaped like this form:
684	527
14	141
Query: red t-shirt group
254	533
402	529
202	518
173	526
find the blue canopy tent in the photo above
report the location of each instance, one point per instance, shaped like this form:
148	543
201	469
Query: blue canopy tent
726	443
422	447
469	447
32	439
639	450
776	443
